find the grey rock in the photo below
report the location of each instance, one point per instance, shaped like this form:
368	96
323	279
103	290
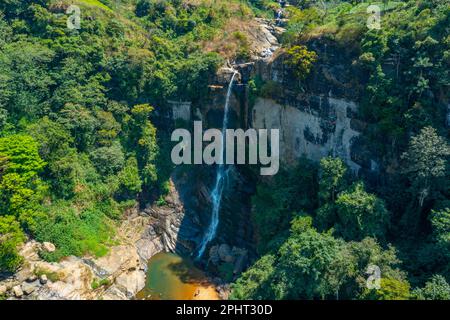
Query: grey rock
49	247
3	289
43	279
17	291
29	288
32	278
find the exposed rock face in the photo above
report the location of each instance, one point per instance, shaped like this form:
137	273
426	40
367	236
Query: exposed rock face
118	275
306	132
220	254
266	41
17	290
3	289
49	247
316	117
167	221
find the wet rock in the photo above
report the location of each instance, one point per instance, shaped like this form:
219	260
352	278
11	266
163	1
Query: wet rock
304	132
214	254
147	248
224	252
224	75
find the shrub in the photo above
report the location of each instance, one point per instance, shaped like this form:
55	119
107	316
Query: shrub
11	236
301	60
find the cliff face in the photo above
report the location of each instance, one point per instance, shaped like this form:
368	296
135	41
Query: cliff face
316	117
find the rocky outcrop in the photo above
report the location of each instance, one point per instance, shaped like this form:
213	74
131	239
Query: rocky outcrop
167	221
265	39
118	275
317	117
223	253
307	132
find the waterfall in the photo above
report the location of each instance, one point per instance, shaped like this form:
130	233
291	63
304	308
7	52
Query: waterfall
216	193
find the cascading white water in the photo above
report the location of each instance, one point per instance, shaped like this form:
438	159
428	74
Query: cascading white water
216	194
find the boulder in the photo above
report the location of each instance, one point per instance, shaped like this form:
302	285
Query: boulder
18	293
32	278
132	282
3	289
225	253
29	251
214	254
29	288
49	247
120	258
114	293
43	279
147	248
225	74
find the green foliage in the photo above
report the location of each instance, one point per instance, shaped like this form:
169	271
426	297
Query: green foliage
226	271
243	45
436	288
52	276
20	187
390	289
22	155
305	259
360	214
11	236
100	283
130	182
73	92
440	221
108	160
86	232
314	265
56	148
255	283
143	140
425	161
331	178
276	202
351	211
301	60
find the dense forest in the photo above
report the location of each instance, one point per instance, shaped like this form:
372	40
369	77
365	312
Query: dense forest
84	137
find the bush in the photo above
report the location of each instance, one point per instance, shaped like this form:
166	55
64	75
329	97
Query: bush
108	160
435	289
87	232
11	236
301	60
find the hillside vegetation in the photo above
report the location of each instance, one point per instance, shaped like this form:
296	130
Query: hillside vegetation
319	227
78	144
84	136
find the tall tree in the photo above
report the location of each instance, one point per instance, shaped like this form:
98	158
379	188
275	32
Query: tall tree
425	162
